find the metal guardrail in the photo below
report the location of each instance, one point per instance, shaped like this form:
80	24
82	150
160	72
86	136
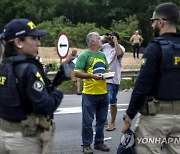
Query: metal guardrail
51	75
131	73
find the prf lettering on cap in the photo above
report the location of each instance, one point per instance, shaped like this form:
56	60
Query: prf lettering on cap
176	60
31	25
2	80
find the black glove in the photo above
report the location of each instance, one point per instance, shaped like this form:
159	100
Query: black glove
62	74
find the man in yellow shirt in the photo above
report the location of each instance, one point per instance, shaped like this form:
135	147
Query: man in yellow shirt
89	66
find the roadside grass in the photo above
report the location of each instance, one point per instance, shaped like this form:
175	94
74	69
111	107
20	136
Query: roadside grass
68	87
126	83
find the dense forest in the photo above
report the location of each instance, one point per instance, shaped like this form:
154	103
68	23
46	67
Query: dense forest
78	17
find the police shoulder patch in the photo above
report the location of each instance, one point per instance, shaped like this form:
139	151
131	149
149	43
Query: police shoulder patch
38	86
143	62
39	76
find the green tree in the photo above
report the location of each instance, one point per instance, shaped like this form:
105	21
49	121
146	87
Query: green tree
104	13
34	10
53	27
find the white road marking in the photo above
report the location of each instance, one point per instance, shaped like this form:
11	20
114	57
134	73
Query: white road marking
70	110
107	138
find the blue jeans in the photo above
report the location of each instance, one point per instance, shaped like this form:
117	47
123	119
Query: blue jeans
112	93
93	105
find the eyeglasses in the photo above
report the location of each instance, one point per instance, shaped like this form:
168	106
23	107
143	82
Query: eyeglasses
153	19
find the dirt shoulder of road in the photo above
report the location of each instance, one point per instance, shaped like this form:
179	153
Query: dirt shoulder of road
49	54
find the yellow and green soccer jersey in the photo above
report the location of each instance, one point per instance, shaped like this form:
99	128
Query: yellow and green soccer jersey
92	63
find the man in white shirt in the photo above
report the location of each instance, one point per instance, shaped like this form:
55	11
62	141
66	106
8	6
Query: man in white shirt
114	53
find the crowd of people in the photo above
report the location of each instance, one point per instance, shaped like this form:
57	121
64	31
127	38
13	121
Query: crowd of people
28	99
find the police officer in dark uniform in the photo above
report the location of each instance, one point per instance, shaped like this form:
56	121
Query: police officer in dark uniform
156	94
26	109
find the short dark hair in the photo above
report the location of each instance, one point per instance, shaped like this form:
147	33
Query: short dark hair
113	34
168	10
10	48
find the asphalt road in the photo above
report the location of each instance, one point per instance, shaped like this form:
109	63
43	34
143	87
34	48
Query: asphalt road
68	126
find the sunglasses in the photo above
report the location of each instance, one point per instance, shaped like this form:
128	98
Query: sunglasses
153	19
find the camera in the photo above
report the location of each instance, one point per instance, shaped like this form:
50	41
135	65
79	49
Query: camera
112	37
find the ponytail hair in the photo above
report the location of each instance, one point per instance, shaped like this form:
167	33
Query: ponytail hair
2	43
